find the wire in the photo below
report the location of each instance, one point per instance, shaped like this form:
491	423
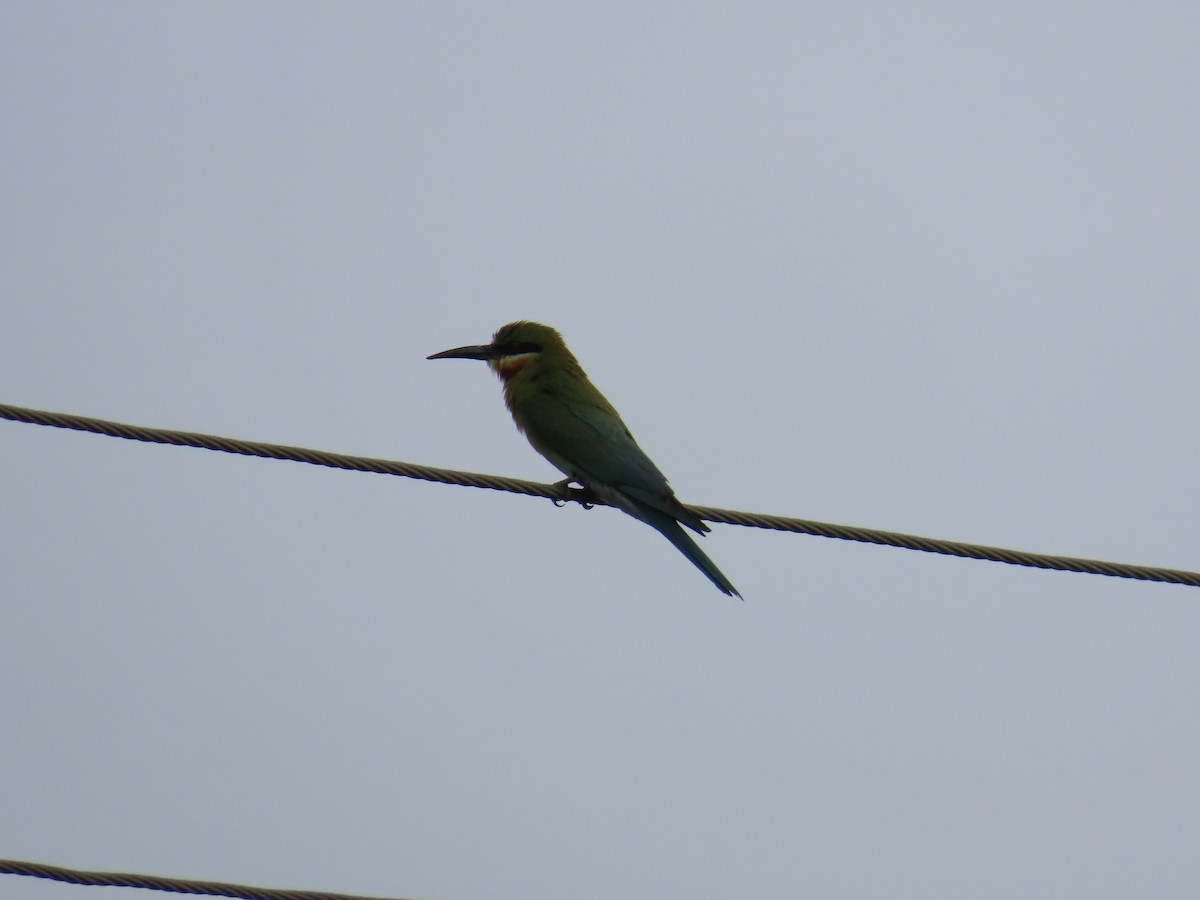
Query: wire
561	493
157	883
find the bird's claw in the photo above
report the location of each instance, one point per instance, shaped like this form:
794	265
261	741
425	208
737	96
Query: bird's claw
584	497
581	495
564	485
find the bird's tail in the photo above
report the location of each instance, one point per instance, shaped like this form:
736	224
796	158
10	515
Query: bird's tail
673	532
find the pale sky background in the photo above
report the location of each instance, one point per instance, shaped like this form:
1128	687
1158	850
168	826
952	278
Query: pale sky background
929	267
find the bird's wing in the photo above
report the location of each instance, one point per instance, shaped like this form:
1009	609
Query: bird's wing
586	439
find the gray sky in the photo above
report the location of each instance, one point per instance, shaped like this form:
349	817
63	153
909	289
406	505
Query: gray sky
929	267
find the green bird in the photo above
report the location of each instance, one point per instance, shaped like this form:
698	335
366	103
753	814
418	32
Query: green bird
570	423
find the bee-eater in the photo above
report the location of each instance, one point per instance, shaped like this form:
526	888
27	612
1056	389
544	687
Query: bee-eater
570	423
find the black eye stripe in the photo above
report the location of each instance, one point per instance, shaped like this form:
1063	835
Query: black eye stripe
512	348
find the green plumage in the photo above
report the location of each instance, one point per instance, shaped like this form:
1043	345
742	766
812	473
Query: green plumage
572	425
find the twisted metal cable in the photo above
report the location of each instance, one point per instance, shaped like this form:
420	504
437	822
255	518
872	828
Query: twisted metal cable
280	451
950	548
561	493
174	885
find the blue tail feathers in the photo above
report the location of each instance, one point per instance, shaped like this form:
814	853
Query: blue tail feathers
685	544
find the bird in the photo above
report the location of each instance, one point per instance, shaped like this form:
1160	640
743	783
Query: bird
571	424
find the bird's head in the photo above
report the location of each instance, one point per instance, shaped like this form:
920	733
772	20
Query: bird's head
514	348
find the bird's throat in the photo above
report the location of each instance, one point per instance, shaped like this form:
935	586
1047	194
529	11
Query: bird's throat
509	367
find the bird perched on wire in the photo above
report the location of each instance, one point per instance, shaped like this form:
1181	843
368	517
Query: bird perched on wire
570	423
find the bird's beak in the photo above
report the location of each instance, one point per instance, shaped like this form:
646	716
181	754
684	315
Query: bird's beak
478	351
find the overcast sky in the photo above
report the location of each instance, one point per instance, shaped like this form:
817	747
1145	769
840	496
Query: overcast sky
929	267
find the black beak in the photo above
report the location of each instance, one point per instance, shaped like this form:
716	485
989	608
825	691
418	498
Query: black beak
478	351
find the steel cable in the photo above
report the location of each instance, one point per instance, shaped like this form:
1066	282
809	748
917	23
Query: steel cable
174	885
561	493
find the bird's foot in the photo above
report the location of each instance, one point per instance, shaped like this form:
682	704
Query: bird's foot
581	495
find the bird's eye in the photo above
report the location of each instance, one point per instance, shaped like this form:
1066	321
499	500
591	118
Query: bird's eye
512	347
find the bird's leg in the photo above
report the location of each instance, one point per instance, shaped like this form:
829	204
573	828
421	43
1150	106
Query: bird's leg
582	495
564	485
